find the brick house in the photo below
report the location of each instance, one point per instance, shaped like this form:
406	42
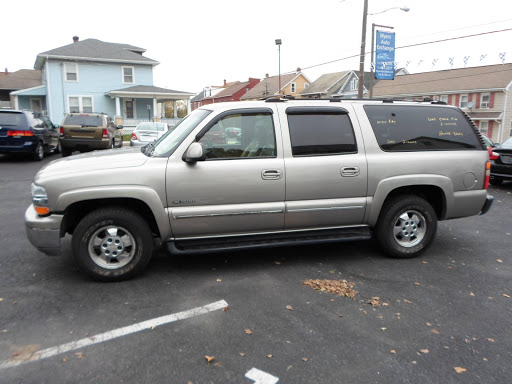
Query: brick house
482	92
291	84
231	93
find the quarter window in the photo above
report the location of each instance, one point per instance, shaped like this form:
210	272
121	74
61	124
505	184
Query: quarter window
128	75
422	128
314	133
244	135
71	70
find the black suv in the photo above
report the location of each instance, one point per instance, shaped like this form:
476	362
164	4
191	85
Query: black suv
501	162
27	132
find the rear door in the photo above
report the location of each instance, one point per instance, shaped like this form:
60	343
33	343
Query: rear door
326	170
240	187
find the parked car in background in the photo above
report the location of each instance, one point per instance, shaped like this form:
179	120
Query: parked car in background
501	162
146	132
27	132
89	131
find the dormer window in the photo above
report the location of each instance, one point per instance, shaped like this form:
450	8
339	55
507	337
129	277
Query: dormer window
128	75
71	72
354	84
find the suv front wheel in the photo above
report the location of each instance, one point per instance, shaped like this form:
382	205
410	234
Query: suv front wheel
406	227
112	244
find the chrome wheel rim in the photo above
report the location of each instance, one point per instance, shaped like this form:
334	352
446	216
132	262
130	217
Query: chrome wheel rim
409	228
40	151
112	247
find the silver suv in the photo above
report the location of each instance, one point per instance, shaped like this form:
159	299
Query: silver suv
266	173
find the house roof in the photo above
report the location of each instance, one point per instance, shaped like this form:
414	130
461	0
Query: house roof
24	78
452	80
96	50
230	91
269	86
197	97
325	82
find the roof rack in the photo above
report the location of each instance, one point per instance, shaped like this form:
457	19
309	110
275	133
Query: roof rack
337	99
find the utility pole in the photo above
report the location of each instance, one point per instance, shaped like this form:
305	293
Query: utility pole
363	48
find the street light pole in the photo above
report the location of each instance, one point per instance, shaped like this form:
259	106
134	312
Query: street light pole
361	57
373	55
278	43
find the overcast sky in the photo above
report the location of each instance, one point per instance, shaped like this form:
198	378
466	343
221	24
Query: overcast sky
203	42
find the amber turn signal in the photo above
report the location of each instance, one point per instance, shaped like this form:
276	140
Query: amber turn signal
42	210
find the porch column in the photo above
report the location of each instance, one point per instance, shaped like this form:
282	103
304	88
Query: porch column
174	109
188	106
155	110
15	100
118	107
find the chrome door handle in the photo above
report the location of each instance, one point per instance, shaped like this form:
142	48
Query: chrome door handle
349	171
271	174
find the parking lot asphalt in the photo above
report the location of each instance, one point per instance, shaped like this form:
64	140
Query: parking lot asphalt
441	318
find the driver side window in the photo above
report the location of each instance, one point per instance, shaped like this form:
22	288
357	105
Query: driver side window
241	136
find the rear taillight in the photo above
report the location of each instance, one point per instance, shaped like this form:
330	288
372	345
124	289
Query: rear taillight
487	174
61	131
492	155
105	133
134	136
20	133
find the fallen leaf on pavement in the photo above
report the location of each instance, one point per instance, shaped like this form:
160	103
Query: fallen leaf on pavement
79	355
1	299
507	296
219	280
417	283
471	294
459	369
435	331
407	301
375	302
305	359
499	261
340	315
277	262
242	354
337	287
393	351
248	331
429	324
491	340
289	307
209	358
226	308
269	356
424	350
383	329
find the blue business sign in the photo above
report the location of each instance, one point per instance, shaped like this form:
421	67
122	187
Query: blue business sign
385	56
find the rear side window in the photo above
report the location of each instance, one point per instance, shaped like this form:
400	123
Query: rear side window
86	120
411	128
13	119
319	131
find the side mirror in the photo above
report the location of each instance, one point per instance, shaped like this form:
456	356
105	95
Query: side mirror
194	153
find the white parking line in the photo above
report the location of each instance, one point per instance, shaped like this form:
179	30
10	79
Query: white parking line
260	377
102	337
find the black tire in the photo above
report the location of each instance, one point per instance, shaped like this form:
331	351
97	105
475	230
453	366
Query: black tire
102	233
66	152
56	150
494	181
39	152
406	227
113	145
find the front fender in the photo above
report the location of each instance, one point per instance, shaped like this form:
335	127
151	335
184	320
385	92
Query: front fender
147	195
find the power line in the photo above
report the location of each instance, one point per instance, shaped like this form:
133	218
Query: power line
407	46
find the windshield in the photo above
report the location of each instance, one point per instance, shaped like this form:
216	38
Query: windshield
160	127
90	121
168	143
507	143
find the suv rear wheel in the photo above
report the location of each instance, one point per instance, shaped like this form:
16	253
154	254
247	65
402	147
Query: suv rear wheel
112	244
406	227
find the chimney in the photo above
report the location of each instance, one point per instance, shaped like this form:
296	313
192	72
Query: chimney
6	71
75	39
224	82
299	69
266	75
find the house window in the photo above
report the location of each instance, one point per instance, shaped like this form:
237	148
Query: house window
128	75
71	70
294	87
80	104
484	101
306	85
354	84
463	101
444	98
484	127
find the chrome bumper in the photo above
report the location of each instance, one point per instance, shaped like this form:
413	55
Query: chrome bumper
43	232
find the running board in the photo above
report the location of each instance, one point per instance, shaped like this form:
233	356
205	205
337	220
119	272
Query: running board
221	244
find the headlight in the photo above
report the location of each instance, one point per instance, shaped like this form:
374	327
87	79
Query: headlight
40	199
